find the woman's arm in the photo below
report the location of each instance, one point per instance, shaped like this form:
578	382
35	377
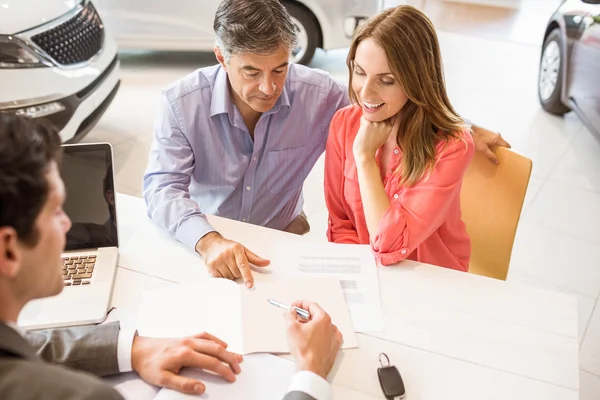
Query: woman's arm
340	228
398	225
372	192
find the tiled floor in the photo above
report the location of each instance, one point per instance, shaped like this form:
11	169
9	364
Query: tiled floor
492	80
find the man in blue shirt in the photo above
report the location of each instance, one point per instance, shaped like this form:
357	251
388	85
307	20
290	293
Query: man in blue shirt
238	139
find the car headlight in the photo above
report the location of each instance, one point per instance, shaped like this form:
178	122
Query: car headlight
15	55
41	110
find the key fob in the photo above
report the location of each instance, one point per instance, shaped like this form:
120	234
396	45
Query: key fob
391	381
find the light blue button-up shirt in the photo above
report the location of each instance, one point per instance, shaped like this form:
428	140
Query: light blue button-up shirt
203	160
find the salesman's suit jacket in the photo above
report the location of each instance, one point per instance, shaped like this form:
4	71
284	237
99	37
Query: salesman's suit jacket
298	396
27	369
62	364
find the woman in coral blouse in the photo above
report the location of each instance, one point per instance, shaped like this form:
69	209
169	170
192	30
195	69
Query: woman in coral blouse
395	159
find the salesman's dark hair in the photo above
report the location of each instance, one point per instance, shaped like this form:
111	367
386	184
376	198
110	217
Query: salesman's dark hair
253	26
27	149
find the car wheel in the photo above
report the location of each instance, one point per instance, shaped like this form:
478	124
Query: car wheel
309	33
550	77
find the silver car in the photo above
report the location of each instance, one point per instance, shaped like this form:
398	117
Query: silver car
187	25
57	63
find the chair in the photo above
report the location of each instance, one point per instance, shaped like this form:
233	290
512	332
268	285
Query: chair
491	200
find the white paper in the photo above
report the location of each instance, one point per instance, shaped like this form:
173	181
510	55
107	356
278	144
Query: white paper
355	268
212	306
263	377
242	318
262	317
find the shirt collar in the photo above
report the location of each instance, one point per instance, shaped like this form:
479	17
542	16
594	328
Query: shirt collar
282	101
220	102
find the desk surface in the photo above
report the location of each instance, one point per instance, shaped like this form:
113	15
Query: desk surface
452	335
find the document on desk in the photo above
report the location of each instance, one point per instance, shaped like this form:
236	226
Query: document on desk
355	268
242	318
263	377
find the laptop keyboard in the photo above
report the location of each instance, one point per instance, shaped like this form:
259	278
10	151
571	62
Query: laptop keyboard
78	270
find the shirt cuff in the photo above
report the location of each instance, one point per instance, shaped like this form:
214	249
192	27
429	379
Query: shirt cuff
124	346
192	230
311	384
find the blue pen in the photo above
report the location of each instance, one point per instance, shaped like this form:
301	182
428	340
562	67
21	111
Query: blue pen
301	312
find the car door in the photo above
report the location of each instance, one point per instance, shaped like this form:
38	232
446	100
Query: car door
584	87
160	24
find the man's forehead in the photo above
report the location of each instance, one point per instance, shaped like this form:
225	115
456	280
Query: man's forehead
263	62
56	186
258	67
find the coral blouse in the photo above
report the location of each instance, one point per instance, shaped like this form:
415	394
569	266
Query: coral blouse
423	222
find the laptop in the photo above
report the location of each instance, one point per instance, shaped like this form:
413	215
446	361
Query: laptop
91	254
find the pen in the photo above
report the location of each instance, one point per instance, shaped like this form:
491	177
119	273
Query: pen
301	312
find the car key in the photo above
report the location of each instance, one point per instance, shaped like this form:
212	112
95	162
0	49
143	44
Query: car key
390	380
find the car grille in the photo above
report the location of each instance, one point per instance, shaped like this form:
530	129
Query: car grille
74	41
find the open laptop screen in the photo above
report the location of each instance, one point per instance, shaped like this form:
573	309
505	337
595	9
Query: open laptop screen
87	171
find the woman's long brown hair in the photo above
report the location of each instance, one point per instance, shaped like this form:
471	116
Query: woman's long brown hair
411	46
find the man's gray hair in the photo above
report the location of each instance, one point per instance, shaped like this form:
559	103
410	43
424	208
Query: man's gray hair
253	26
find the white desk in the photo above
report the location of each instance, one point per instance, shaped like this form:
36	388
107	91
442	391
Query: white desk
452	335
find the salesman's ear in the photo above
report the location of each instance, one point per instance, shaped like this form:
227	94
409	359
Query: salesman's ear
220	57
10	254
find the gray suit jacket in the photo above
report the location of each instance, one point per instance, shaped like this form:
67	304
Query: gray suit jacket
27	371
298	396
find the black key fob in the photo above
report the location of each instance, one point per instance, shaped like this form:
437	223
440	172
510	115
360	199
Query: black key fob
390	380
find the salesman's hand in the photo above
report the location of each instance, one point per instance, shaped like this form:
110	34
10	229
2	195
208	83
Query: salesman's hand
228	259
314	343
485	141
158	361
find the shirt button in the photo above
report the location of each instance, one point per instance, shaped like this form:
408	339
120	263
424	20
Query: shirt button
253	158
396	151
243	219
248	188
403	251
396	196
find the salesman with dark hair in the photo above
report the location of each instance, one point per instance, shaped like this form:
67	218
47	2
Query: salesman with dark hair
32	238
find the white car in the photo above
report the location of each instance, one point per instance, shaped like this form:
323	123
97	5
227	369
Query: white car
187	25
57	63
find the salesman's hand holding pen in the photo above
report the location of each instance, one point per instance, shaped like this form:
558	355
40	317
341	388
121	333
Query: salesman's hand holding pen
301	312
313	341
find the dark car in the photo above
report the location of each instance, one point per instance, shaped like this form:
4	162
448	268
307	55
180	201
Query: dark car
569	76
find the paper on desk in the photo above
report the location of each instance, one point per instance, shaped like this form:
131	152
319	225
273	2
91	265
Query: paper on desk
240	317
263	377
353	265
212	305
